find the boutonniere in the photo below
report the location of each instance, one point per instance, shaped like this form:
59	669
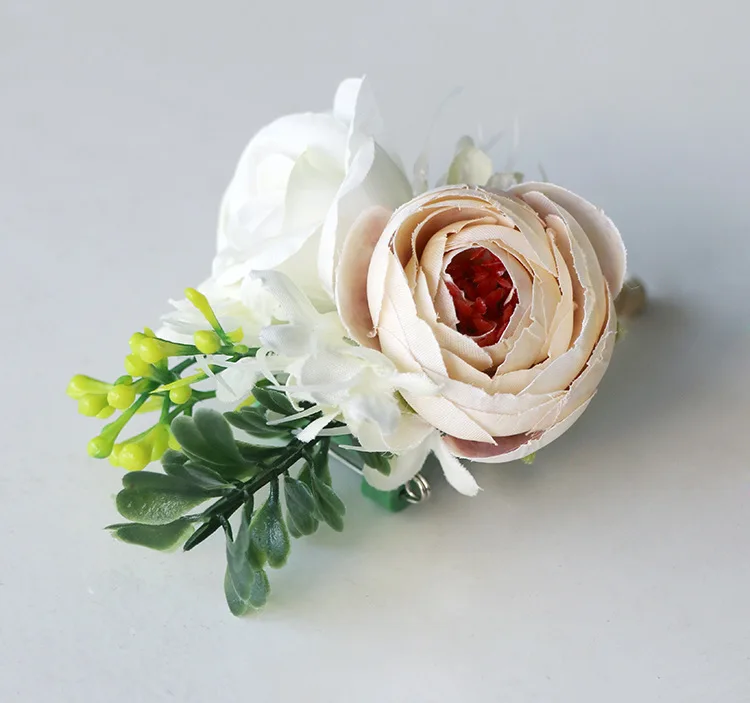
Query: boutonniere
354	316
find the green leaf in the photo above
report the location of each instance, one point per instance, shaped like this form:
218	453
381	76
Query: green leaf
273	400
300	507
259	589
330	507
157	499
207	438
202	533
320	466
205	478
380	461
253	421
161	537
243	565
172	462
150	480
268	531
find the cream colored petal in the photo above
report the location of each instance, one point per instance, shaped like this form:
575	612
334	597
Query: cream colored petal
471	398
462	370
455	472
447	417
561	326
510	239
524	445
398	317
600	230
561	372
447	337
351	275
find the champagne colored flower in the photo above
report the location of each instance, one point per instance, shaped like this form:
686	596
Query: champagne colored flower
503	299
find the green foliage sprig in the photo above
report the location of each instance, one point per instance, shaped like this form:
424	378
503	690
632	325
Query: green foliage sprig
204	463
215	466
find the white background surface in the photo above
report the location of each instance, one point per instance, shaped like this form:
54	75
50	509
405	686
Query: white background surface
615	569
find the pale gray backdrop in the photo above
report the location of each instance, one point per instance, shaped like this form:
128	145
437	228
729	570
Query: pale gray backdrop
615	569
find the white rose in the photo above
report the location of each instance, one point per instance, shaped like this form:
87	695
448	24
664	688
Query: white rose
504	300
299	185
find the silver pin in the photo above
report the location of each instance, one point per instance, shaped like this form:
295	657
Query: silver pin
416	490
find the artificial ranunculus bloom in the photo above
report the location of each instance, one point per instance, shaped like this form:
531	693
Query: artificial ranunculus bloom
504	300
299	185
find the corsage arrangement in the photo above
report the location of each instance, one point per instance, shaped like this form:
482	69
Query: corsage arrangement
353	313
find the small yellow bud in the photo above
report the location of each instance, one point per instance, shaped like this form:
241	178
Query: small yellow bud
106	412
151	351
121	397
81	385
237	335
241	349
134	456
173	444
92	404
159	439
180	395
207	342
203	306
114	457
135	341
136	366
100	447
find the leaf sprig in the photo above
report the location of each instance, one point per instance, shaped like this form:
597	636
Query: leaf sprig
215	466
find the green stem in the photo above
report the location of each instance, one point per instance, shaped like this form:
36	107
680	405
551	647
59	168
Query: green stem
225	507
164	417
113	429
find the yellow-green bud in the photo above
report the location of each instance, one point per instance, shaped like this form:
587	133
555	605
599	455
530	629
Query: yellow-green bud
121	397
81	385
237	335
180	395
208	342
159	437
92	404
136	366
104	413
173	443
134	456
241	349
151	351
100	447
135	341
114	457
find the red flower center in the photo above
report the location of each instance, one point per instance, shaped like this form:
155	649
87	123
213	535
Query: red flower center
483	294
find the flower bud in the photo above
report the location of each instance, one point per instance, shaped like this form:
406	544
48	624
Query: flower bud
207	342
237	335
135	341
121	397
92	404
180	395
172	443
151	350
134	456
100	447
81	385
159	441
106	412
135	366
